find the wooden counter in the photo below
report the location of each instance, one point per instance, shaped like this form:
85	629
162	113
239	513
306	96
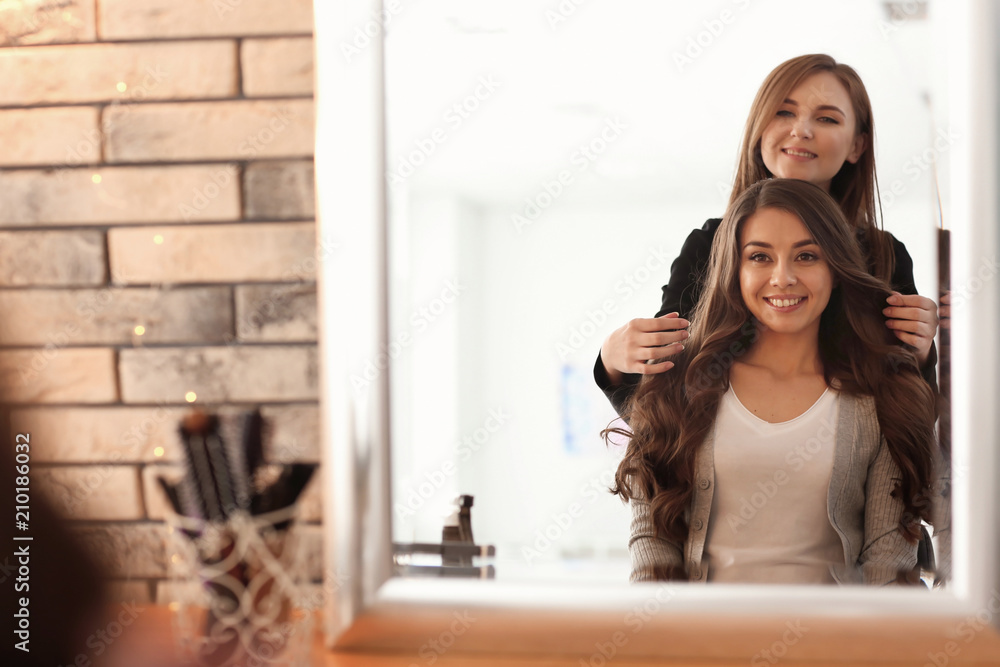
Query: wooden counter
149	642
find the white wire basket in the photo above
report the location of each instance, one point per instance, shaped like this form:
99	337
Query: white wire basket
236	594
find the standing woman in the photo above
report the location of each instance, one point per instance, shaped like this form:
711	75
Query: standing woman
811	120
794	441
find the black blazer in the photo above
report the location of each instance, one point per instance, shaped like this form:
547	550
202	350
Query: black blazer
683	290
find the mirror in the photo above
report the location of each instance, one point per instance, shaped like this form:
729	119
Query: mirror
444	383
544	167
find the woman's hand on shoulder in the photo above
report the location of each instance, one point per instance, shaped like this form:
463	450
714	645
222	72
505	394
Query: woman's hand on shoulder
914	320
644	345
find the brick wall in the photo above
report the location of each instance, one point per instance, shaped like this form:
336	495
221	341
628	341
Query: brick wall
155	172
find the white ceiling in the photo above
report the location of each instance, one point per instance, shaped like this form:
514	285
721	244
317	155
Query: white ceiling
560	80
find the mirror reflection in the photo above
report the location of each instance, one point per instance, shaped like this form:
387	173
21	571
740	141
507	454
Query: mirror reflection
545	167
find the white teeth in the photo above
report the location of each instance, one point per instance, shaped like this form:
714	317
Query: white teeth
784	303
799	153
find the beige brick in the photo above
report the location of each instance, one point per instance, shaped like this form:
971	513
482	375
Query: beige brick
220	374
141	19
51	258
27	22
127	550
98	492
280	190
215	253
57	375
177	589
275	67
133	592
110	316
94	72
119	195
50	136
239	130
293	433
101	434
272	313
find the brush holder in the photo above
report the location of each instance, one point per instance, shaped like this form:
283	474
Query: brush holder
236	590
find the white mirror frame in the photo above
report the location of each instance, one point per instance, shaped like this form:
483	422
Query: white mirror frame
369	609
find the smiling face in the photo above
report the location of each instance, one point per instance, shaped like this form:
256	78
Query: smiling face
813	132
785	280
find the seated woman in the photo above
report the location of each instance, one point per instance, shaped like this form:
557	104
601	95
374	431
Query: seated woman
794	440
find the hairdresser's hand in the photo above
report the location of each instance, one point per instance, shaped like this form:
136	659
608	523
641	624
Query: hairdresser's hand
628	349
913	318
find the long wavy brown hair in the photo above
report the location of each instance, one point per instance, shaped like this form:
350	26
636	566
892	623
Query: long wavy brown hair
855	187
670	414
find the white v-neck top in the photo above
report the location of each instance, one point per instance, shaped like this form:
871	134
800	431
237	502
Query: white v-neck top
770	520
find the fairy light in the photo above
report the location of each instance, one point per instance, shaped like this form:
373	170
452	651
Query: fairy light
122	86
158	239
158	452
190	397
139	330
96	178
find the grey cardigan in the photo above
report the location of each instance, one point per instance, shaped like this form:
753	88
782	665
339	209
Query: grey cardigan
859	506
